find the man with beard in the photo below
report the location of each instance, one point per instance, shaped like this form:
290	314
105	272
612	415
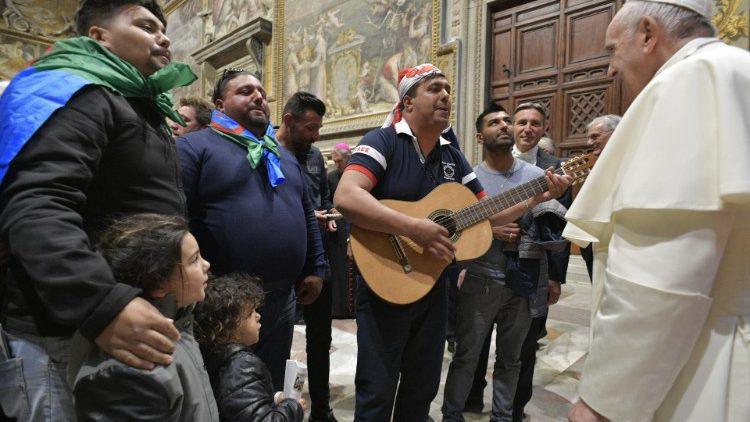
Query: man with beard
301	122
251	211
667	207
488	295
83	142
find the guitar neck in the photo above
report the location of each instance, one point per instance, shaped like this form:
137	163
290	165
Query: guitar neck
483	210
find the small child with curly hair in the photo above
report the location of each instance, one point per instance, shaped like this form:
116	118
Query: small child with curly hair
227	324
157	254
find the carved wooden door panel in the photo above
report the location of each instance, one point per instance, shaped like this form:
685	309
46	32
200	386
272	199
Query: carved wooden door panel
552	52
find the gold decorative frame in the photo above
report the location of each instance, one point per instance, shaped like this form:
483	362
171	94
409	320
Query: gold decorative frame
332	126
446	59
731	22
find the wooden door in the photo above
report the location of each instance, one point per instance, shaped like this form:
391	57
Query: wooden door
552	52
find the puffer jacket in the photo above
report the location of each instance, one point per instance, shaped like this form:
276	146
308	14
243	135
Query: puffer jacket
242	386
106	389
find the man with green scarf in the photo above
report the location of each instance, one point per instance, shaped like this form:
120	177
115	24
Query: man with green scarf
251	210
99	149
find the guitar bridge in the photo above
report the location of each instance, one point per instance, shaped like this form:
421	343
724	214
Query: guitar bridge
398	249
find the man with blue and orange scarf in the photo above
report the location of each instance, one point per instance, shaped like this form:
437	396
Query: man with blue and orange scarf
251	211
83	140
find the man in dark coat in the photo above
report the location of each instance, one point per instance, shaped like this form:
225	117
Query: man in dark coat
104	151
251	211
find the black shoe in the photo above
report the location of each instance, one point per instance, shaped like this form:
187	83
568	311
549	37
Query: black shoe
451	347
474	407
328	417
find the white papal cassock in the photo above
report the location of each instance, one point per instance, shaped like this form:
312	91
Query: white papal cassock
668	209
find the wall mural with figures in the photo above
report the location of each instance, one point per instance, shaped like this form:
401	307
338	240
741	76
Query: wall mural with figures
28	28
228	15
185	30
348	52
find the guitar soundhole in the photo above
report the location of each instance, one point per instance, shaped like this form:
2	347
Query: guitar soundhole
445	219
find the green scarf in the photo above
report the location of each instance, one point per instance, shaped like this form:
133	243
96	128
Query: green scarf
89	59
254	149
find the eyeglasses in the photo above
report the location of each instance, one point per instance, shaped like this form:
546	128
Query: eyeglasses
226	75
230	71
536	106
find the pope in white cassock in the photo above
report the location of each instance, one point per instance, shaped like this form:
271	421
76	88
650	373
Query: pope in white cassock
667	208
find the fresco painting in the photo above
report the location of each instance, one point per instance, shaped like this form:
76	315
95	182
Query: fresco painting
349	52
16	53
228	15
185	30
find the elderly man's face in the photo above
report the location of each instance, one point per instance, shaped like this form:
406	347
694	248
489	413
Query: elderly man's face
339	160
632	59
529	126
597	138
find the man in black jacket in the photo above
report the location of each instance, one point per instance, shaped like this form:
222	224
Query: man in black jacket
530	122
301	123
104	154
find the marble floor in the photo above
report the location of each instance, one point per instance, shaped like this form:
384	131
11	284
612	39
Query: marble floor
559	359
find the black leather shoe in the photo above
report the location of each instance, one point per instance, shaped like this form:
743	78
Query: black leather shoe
328	417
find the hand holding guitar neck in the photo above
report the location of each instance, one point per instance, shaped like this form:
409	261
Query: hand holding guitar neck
433	238
556	186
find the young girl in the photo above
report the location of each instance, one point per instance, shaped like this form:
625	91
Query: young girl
227	325
159	255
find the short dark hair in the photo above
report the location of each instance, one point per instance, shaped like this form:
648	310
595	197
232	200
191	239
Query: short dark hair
229	300
94	12
227	75
202	109
302	101
492	108
143	249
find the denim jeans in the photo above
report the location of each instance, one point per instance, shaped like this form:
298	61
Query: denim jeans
33	385
276	332
483	302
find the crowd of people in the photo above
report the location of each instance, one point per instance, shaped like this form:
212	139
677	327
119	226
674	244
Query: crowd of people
154	256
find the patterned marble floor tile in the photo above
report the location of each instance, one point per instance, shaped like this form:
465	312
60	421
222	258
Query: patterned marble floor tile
559	361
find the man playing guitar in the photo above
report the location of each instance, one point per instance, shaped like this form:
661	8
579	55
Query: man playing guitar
400	347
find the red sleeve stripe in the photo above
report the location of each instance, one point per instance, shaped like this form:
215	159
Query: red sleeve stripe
481	194
364	170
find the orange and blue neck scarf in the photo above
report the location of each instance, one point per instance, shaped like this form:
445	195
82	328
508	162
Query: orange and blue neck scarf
266	148
51	81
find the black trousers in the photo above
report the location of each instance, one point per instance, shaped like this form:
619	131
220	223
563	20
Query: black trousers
318	330
528	359
399	355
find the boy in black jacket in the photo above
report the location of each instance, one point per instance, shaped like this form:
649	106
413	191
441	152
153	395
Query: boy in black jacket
227	325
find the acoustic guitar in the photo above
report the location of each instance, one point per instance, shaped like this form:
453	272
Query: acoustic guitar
399	271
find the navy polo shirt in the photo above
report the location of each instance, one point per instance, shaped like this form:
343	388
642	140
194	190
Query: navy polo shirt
393	161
